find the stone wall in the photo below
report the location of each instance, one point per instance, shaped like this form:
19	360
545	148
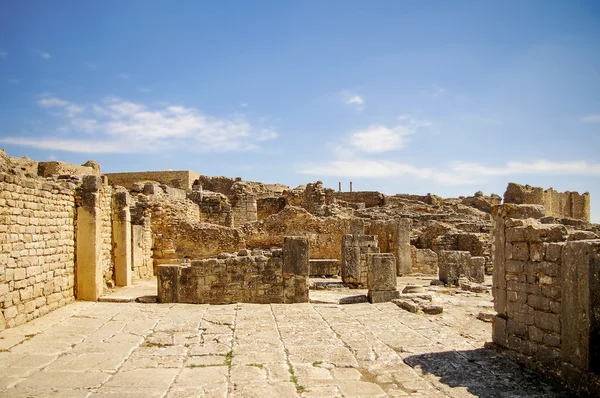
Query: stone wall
182	179
215	208
37	242
547	295
278	276
266	207
324	233
369	198
424	261
557	204
47	169
244	209
108	265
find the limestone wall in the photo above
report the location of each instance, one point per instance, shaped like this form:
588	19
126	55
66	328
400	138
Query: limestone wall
278	276
266	207
244	209
547	295
182	179
106	235
394	237
37	241
369	198
324	233
557	204
47	169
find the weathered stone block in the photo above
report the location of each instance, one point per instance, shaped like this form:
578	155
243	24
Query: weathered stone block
382	296
324	267
499	334
475	269
168	283
381	271
295	255
451	265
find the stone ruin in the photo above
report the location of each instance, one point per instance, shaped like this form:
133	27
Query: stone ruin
70	232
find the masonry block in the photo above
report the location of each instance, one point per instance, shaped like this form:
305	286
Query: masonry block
168	283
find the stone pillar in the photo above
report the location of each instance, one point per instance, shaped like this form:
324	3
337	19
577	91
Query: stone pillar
381	278
137	249
89	241
340	186
402	250
452	265
580	317
168	283
121	231
350	186
355	249
295	269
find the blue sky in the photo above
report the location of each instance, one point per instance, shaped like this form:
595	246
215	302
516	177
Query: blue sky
396	96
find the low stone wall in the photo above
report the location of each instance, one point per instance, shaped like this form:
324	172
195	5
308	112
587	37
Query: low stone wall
547	296
182	179
269	206
47	169
369	198
278	276
324	267
454	264
393	237
424	261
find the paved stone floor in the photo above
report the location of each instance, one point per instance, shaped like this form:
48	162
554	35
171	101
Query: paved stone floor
108	349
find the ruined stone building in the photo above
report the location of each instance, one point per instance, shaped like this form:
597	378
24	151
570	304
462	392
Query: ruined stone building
70	232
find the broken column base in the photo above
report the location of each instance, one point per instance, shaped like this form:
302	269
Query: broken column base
382	296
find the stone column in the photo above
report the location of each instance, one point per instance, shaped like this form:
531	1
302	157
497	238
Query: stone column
295	269
88	267
121	234
381	277
402	250
452	265
580	317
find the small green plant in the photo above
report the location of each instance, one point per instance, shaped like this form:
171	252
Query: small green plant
256	365
317	363
228	359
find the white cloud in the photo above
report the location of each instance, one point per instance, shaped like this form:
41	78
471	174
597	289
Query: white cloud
379	139
116	126
14	81
43	54
353	100
3	54
124	76
457	173
591	119
91	66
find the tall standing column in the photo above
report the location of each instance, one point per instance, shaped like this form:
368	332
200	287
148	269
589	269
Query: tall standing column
121	231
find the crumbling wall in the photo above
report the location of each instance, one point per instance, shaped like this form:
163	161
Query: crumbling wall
266	207
424	261
369	198
547	296
324	233
182	179
214	207
557	204
47	169
37	244
141	239
244	209
277	276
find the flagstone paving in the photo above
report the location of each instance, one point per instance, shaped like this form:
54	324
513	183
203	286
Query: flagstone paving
131	349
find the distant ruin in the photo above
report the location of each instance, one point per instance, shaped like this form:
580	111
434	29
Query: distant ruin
70	232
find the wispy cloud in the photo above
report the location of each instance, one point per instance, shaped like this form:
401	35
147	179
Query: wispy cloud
457	173
119	126
91	66
124	76
3	54
352	99
591	118
43	54
14	81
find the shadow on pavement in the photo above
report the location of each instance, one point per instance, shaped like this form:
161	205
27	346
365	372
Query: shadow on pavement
487	373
